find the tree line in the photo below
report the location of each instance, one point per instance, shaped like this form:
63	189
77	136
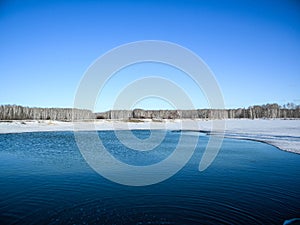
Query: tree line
16	112
268	111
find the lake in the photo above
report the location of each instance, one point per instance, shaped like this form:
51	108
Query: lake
45	180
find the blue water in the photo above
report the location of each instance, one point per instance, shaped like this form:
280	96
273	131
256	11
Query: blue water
45	180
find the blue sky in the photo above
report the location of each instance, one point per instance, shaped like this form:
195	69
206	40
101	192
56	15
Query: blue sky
253	47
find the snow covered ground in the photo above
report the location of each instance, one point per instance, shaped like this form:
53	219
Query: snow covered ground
284	134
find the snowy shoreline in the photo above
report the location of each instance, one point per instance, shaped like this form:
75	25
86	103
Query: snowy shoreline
283	134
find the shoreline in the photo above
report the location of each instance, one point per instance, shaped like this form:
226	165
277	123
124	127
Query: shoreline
282	134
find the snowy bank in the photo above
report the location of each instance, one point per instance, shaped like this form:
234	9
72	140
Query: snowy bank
284	134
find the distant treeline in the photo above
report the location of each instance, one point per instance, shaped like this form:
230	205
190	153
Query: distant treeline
14	112
253	112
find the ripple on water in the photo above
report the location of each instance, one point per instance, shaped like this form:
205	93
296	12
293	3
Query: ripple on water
44	180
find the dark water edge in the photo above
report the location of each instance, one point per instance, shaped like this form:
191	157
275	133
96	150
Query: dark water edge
44	180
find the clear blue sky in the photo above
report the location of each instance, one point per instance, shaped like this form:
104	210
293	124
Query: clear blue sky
253	47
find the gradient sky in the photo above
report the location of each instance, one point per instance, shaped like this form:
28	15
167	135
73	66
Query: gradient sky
253	47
